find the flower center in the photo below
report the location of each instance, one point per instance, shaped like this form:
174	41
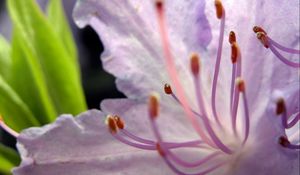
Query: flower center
206	126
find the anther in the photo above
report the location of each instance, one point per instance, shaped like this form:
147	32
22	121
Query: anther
240	83
219	9
232	38
280	106
263	39
159	150
153	106
195	65
111	123
159	4
168	89
283	141
119	122
257	29
235	51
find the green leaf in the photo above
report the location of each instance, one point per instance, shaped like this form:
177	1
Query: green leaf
13	110
9	158
28	81
61	74
57	18
4	57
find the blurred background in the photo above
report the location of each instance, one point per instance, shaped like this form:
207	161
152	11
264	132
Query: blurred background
97	84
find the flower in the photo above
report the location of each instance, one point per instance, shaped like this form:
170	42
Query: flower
235	115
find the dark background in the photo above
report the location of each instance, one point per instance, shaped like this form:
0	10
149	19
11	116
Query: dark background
97	84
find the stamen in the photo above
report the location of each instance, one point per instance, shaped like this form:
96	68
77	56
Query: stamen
195	65
120	123
283	59
257	29
242	88
162	150
173	74
281	109
221	15
111	123
283	141
159	150
294	121
232	38
235	51
283	48
219	9
200	162
7	128
136	145
193	111
210	131
168	89
263	39
153	106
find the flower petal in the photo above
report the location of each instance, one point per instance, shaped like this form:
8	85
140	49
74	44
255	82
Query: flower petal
81	145
173	124
133	51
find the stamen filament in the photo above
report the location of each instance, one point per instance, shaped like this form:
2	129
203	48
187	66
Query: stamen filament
165	153
236	95
177	100
8	129
169	145
206	122
179	172
283	48
173	74
283	59
233	77
246	109
294	121
184	163
217	68
136	145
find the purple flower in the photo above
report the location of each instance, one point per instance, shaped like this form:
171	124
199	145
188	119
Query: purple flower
229	108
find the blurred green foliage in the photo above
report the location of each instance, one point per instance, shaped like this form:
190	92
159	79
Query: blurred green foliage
39	73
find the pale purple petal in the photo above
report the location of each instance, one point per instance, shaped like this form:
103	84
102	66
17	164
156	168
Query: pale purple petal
81	145
131	36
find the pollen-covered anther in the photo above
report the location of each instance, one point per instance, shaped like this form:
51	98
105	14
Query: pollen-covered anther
159	4
219	9
168	89
119	122
159	150
257	29
232	37
280	106
263	39
240	83
111	123
1	118
195	63
235	51
153	106
283	141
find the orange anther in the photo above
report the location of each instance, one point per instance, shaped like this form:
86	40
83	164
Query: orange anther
232	38
235	51
111	123
195	63
257	29
119	122
153	106
240	83
219	9
168	89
